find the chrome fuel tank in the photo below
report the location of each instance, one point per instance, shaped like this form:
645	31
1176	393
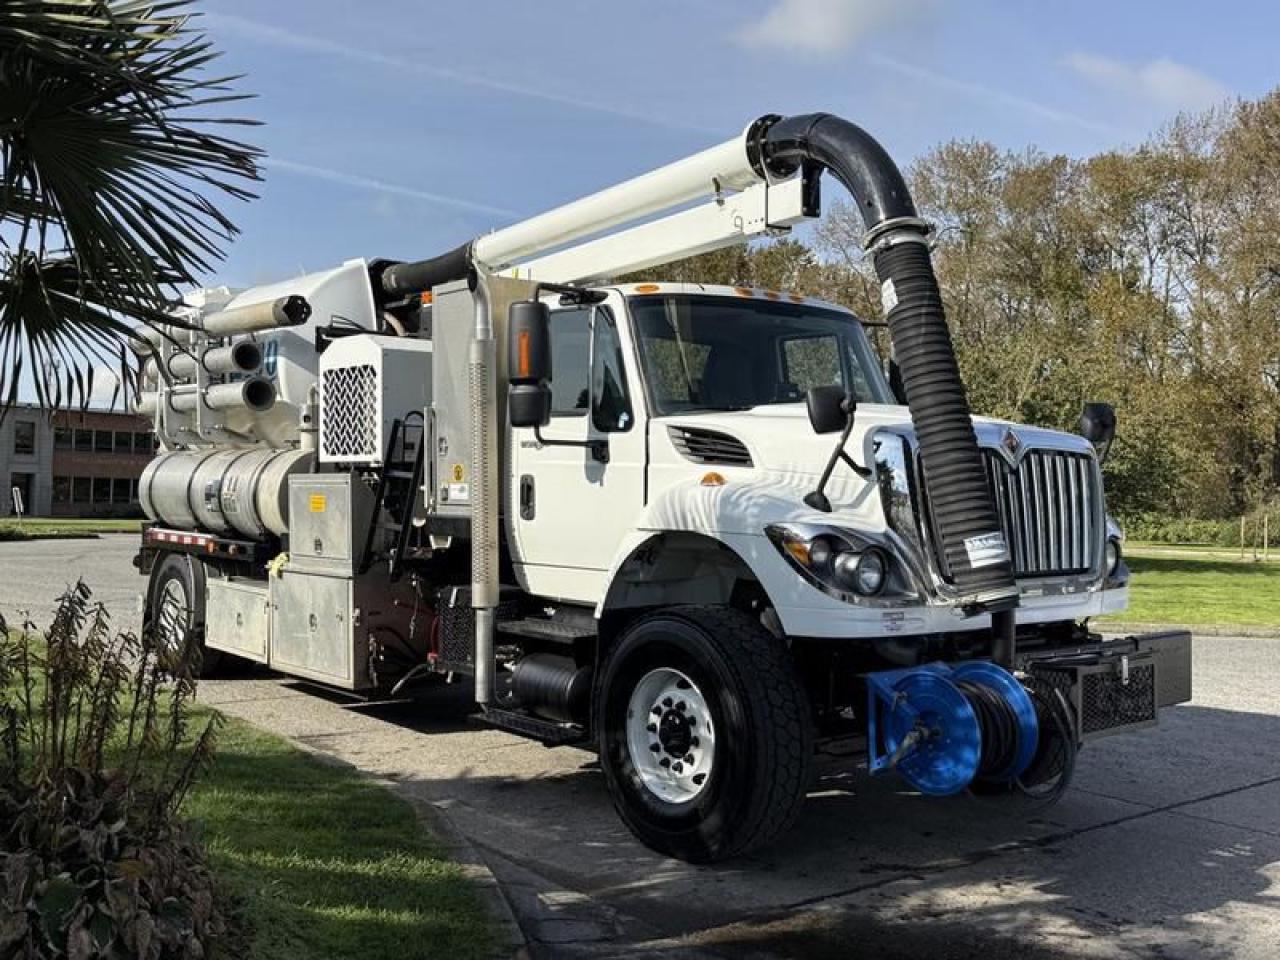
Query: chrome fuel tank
242	490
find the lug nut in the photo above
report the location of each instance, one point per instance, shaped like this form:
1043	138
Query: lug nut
688	758
666	702
699	778
655	747
694	742
657	711
664	762
678	767
682	706
652	728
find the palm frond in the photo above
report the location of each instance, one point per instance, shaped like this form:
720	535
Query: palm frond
113	168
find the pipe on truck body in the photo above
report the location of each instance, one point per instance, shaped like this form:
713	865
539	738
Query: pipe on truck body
244	356
255	394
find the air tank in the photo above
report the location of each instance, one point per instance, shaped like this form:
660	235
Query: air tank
242	491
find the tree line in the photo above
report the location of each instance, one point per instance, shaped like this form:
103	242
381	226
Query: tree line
1146	277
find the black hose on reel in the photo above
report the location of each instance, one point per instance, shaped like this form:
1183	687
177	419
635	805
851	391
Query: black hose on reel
997	724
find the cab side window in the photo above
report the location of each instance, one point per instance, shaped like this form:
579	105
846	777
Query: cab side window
570	362
610	404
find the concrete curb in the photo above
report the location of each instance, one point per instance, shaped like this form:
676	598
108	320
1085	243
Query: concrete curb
511	942
1200	629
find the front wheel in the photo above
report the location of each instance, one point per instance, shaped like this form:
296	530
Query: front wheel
705	733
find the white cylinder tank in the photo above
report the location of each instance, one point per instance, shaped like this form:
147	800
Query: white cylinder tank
224	491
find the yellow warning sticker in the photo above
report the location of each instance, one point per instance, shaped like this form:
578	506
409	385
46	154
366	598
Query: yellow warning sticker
458	473
317	503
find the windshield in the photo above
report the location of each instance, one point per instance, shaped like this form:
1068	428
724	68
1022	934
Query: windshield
703	352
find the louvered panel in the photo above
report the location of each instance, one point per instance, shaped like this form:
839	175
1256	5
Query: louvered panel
709	447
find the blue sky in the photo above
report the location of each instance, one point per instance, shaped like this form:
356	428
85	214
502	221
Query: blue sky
398	128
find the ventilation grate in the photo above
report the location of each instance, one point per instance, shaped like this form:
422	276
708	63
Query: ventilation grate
709	446
349	413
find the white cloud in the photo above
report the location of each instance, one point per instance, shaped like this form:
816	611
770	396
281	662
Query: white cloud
381	186
1163	82
827	26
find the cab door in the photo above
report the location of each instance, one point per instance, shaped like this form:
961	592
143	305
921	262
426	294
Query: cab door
574	496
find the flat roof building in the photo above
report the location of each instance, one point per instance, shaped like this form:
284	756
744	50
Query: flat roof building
73	463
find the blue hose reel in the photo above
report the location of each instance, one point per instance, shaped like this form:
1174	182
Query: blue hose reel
940	726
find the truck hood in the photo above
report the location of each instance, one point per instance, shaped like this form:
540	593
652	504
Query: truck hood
783	444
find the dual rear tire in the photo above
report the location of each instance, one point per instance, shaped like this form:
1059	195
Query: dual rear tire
175	613
705	733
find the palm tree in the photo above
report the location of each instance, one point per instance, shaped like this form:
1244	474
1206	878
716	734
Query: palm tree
112	162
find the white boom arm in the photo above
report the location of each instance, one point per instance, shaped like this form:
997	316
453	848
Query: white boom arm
759	209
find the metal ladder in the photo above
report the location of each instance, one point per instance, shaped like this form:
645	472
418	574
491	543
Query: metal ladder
399	484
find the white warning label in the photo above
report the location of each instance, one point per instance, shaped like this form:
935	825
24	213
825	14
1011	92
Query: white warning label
986	550
888	295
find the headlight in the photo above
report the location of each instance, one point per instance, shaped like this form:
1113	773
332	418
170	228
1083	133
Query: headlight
1112	557
839	562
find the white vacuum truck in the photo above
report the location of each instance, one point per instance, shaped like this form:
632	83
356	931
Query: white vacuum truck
704	531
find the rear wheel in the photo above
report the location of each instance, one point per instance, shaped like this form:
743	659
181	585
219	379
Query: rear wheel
175	615
705	734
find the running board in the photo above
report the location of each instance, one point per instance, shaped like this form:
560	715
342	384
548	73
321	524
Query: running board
545	731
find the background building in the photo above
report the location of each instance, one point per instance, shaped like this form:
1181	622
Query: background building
73	463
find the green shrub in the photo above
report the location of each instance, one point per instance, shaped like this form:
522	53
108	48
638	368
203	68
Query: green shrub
95	760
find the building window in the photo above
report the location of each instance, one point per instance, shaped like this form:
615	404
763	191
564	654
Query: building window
102	441
81	490
143	443
64	438
120	490
61	489
101	490
24	437
84	441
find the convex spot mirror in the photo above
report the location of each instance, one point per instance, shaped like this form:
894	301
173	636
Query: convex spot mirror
829	408
529	363
1098	426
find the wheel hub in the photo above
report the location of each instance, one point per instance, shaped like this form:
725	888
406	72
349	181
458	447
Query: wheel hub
670	735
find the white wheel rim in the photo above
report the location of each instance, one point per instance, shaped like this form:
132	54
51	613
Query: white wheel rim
670	736
171	618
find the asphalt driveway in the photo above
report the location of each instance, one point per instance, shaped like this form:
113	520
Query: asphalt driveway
1168	844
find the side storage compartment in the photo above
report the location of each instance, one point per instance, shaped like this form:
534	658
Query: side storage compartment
238	617
312	629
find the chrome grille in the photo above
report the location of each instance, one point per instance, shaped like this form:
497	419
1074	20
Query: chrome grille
1049	506
709	446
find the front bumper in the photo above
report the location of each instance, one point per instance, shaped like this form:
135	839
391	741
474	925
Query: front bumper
1116	685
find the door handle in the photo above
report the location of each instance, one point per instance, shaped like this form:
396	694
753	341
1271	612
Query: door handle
527	505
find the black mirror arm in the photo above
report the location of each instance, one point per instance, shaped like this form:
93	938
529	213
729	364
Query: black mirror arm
818	498
599	446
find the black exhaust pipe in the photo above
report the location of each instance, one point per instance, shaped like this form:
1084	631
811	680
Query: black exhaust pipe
971	541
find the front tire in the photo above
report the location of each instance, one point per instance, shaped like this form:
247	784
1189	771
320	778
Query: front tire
705	733
175	616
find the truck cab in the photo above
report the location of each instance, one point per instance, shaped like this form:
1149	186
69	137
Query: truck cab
695	397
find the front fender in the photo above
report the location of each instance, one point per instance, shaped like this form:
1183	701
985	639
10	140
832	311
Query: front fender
734	516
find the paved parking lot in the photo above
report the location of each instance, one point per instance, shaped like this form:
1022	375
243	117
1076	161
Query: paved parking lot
1168	844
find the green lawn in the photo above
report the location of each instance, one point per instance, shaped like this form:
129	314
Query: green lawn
321	863
33	528
1208	589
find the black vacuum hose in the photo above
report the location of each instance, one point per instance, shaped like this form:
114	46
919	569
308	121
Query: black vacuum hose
975	558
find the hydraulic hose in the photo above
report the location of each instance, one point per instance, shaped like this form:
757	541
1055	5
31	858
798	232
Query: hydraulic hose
401	279
970	543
